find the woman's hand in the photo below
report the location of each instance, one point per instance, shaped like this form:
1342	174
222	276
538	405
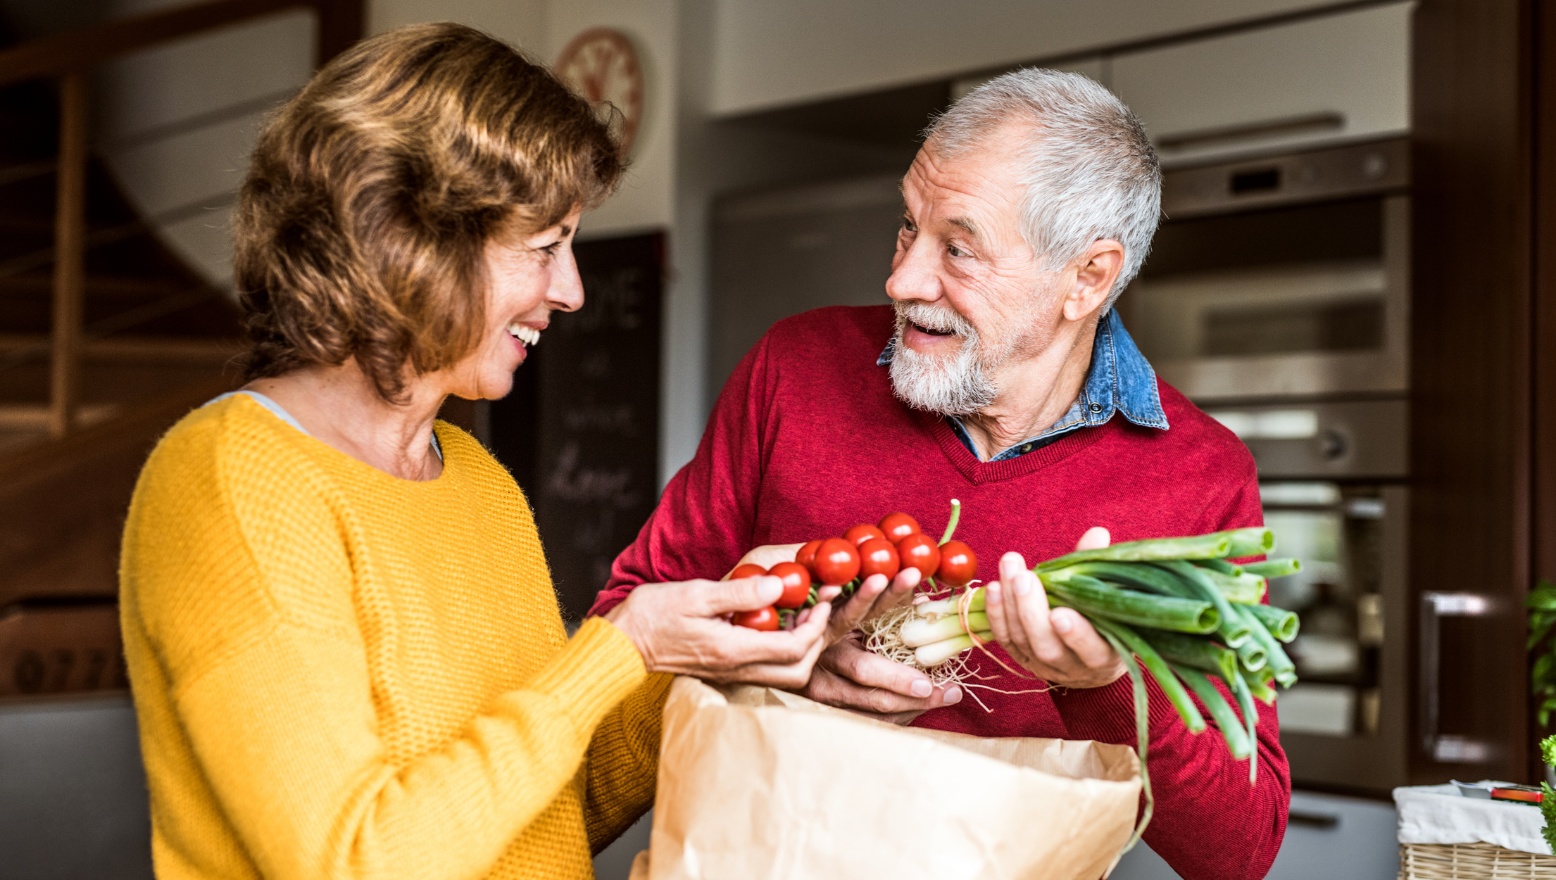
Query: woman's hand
1059	646
680	628
849	677
875	595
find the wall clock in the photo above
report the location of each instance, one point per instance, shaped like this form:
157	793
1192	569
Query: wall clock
601	65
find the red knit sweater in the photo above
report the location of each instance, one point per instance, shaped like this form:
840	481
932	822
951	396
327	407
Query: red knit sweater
807	439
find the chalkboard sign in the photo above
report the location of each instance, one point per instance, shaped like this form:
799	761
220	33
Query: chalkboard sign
580	432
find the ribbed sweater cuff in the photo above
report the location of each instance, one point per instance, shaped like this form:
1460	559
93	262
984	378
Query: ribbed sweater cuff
597	670
1107	714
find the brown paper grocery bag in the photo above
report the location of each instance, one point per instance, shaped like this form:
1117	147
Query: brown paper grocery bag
756	783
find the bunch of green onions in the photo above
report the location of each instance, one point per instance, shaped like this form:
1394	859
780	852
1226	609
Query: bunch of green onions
1174	606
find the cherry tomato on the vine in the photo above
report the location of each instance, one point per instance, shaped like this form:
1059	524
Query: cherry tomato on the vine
836	563
747	570
807	553
897	526
796	584
921	552
958	564
862	533
878	556
764	619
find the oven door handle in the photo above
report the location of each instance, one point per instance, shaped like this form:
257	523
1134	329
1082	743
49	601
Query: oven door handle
1435	606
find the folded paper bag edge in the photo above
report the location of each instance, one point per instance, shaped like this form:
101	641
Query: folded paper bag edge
1112	763
716	819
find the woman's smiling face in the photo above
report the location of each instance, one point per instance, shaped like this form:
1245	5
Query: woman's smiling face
527	280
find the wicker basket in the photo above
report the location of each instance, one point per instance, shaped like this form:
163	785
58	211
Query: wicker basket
1471	861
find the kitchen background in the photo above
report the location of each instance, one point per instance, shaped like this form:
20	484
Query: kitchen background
1349	276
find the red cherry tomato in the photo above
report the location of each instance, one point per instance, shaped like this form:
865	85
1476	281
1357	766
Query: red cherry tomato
897	526
878	556
921	552
796	584
837	562
807	554
747	570
958	564
862	533
764	619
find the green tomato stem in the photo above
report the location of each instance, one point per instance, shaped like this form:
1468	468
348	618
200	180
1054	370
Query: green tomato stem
956	517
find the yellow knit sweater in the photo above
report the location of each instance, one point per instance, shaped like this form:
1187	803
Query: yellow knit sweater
339	673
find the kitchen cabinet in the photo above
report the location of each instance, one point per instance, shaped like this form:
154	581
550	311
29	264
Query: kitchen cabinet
1094	67
1326	836
73	799
1338	77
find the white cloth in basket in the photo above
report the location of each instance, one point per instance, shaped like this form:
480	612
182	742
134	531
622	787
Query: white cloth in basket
1439	814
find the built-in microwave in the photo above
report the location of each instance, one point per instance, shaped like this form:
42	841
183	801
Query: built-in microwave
1281	276
1277	298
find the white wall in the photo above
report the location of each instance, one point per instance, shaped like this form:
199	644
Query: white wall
521	22
646	199
770	54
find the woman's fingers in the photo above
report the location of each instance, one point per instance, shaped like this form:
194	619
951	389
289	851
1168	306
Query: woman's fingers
678	628
715	598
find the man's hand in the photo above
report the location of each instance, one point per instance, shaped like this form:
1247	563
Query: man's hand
1059	646
850	677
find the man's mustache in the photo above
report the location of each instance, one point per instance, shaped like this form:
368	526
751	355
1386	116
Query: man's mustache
943	319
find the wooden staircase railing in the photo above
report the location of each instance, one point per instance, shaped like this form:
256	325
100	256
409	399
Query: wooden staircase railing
69	58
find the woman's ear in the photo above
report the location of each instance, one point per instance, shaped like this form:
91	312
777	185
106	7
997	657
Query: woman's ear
1097	271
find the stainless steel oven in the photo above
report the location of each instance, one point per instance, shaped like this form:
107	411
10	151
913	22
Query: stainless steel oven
1281	276
1277	298
1332	479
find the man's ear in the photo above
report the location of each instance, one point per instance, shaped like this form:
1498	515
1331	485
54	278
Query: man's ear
1096	272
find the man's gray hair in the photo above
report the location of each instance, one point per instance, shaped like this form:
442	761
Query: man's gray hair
1089	172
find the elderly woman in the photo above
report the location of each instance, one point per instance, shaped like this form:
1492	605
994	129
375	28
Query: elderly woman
346	654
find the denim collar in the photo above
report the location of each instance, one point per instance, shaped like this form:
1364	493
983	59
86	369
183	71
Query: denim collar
1119	379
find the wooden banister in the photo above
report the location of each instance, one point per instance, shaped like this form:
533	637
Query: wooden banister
69	252
71	57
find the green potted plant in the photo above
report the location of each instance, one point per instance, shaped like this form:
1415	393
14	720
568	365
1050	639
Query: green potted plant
1548	794
1541	603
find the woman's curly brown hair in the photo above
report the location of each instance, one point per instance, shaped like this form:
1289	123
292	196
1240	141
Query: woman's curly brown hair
371	197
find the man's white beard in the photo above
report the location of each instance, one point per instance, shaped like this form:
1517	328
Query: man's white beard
955	385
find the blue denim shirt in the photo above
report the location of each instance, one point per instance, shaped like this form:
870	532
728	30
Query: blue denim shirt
1119	379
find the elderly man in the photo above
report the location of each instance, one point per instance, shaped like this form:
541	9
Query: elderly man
1000	376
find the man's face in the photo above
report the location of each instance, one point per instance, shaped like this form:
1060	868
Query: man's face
971	298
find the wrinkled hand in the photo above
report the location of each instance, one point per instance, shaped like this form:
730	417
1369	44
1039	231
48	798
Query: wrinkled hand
769	555
680	628
872	597
849	677
1059	646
